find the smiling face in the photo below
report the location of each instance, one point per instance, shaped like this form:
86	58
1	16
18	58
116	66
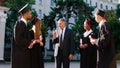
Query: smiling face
61	24
86	25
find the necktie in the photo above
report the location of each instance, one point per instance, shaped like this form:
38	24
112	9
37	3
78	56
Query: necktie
61	40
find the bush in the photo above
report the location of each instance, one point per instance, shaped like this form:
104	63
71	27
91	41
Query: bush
117	56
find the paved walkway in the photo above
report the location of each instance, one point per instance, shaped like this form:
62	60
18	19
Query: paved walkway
50	65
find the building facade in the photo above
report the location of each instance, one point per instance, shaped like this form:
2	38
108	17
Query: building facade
103	4
43	7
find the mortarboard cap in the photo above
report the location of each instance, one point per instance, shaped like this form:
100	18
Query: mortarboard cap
100	13
24	9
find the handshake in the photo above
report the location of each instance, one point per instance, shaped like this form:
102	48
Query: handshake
36	41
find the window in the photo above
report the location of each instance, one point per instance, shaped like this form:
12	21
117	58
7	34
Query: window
52	2
40	2
106	7
40	14
101	6
96	4
111	0
90	2
111	8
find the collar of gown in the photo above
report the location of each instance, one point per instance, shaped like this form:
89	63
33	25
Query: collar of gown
100	24
22	19
87	33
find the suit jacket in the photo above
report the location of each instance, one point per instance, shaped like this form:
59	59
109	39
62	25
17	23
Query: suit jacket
68	42
106	47
20	51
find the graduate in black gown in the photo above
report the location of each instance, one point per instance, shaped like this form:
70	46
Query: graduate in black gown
37	49
88	52
105	42
21	44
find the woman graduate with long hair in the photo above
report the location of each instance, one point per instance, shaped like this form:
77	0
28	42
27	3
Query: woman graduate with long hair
37	49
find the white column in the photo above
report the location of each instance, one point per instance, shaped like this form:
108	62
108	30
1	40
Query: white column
3	17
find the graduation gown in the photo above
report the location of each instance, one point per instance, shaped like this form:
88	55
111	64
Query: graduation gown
36	54
88	56
20	43
106	47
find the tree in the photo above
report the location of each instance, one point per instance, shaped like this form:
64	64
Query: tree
66	9
77	9
13	14
78	31
118	11
115	25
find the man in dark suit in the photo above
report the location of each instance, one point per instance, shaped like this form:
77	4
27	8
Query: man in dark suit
21	42
105	42
66	47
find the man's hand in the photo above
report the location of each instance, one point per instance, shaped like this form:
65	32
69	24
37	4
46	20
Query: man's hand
54	35
70	57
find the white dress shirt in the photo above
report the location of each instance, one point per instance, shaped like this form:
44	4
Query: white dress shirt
58	44
87	33
22	19
100	24
63	33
